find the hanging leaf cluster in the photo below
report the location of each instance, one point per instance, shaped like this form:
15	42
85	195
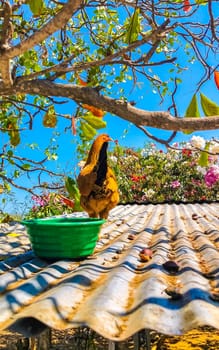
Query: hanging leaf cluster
89	126
209	107
94	110
13	132
50	118
92	120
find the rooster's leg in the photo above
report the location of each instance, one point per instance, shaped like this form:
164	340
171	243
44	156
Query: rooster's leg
104	214
93	215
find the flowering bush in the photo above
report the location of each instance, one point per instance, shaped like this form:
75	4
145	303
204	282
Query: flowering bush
186	172
49	204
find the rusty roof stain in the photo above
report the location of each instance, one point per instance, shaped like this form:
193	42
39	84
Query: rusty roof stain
113	291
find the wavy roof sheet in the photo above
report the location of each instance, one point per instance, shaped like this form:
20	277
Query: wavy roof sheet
113	291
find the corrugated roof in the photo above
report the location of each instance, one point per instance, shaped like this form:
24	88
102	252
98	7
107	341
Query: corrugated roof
113	291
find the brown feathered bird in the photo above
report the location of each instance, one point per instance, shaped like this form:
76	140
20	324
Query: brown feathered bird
96	181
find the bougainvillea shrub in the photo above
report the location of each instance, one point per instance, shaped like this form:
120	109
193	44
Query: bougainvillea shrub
185	172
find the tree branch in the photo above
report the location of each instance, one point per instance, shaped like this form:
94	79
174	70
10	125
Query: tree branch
166	143
157	119
56	23
6	35
212	21
6	32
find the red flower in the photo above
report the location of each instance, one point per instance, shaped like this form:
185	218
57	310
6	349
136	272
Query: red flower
135	178
67	202
186	152
186	6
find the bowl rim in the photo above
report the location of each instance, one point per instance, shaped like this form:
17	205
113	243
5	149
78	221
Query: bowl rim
63	221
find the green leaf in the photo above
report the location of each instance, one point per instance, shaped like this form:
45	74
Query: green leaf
201	2
203	159
10	153
71	187
16	173
73	191
210	108
26	166
192	111
95	122
14	137
7	186
36	7
133	28
87	131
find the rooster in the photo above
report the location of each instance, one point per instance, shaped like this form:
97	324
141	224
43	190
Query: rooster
96	181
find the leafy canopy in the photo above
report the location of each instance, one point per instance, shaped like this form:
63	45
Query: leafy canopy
84	56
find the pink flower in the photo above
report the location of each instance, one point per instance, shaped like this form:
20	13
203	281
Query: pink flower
212	176
39	200
175	184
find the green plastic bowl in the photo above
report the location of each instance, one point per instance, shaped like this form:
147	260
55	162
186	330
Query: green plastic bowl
63	237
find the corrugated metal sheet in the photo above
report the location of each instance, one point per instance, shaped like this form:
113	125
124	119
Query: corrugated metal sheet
114	292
